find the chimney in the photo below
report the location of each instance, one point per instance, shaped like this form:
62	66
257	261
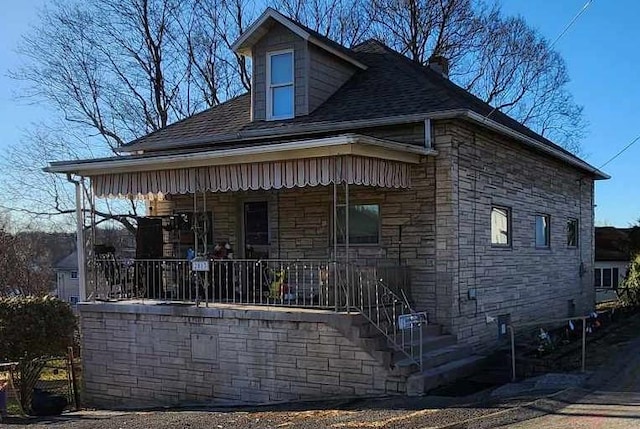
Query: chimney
440	65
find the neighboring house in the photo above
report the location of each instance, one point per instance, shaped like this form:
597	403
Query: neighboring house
612	257
67	286
347	180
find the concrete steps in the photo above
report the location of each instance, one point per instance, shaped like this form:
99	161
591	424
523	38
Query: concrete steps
443	360
422	382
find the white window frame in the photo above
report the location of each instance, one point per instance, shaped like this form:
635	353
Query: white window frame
270	87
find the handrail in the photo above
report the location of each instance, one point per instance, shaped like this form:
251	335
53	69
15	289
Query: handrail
381	306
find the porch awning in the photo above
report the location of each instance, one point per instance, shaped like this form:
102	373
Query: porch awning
355	170
348	158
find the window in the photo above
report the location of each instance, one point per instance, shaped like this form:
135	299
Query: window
606	277
500	226
542	231
280	87
256	223
572	232
364	224
74	274
73	300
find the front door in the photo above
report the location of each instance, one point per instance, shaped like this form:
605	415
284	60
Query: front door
256	229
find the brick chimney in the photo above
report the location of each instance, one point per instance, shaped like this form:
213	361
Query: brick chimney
439	64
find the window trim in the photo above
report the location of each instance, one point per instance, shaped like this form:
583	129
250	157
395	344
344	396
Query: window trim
509	227
547	233
352	244
577	234
269	87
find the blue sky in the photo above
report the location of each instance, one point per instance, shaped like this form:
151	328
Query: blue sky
600	49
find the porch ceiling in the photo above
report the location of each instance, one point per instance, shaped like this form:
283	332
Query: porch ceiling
349	158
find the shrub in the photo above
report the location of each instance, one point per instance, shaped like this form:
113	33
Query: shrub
629	291
32	328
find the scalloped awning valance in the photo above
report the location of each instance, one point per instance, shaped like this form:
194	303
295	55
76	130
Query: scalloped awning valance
355	170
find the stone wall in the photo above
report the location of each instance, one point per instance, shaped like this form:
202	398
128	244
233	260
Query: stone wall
138	355
523	281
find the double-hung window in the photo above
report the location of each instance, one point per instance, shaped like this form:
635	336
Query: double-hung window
280	85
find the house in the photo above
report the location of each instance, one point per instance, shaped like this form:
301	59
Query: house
67	285
357	224
612	257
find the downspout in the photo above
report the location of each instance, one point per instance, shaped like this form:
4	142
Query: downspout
82	277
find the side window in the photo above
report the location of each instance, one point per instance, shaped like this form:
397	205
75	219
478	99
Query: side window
500	226
543	229
572	232
597	277
74	274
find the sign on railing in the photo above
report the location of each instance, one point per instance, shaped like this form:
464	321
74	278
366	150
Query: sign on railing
200	265
407	321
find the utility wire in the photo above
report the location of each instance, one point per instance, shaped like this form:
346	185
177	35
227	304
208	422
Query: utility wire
575	18
562	33
621	151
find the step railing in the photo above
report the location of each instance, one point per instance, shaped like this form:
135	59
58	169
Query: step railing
368	292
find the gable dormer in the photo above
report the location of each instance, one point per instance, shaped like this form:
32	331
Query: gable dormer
294	69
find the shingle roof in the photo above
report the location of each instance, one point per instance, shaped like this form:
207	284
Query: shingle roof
404	86
612	244
69	262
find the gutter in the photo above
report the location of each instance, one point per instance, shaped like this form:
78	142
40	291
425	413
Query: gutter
342	145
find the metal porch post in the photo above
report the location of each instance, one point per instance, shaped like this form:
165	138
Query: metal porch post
82	276
346	244
335	239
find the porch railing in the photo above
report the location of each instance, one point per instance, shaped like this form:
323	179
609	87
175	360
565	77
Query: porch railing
377	292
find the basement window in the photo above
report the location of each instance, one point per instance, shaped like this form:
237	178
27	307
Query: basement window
280	85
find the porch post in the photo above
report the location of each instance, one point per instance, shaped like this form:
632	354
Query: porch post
346	244
82	277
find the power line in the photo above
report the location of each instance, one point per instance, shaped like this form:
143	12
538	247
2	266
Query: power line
621	151
568	26
562	33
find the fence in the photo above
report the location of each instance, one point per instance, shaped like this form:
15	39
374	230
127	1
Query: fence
544	341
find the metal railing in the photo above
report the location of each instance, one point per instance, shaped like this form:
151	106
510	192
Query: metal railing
377	292
583	339
370	293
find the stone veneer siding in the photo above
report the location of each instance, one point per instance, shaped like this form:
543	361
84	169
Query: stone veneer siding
445	220
526	282
137	355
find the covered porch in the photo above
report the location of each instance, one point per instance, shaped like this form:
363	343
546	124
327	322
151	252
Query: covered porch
263	225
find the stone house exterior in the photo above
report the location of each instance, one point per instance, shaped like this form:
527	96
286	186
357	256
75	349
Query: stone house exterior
490	221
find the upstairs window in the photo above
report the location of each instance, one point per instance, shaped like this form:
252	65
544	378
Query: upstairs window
280	91
542	231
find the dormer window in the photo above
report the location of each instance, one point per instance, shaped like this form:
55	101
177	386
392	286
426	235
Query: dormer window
280	85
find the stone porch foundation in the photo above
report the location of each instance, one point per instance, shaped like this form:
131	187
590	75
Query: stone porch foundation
138	355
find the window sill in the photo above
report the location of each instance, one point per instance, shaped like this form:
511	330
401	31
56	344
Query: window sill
501	246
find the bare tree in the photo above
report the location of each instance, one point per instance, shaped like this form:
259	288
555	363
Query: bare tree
24	265
348	22
500	59
117	70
